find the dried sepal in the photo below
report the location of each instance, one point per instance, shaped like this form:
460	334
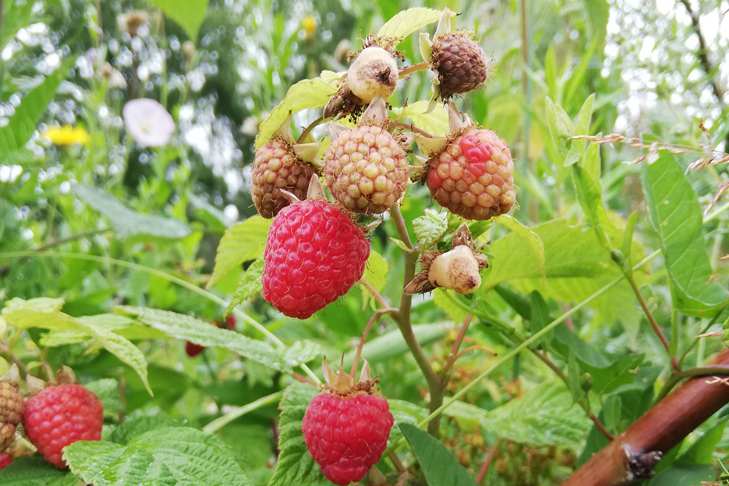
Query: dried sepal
315	190
375	114
306	151
446	22
431	146
426	47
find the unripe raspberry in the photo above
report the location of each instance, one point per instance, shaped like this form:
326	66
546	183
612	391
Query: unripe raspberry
346	427
457	269
459	62
373	74
59	416
314	254
7	435
473	175
11	403
366	169
276	167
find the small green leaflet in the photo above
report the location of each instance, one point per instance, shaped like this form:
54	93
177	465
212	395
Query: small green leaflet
167	455
249	285
432	119
241	242
408	21
309	93
295	465
438	464
187	328
126	222
34	471
430	227
189	16
46	313
676	217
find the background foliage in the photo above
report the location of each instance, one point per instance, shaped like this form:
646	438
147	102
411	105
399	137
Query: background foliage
120	240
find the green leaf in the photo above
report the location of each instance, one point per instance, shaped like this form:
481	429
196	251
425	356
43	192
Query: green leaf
34	471
295	465
676	217
448	304
302	352
702	451
16	15
249	285
430	227
308	93
509	263
45	313
589	195
597	13
545	415
241	242
438	464
432	119
408	21
375	271
107	390
189	15
684	474
168	455
126	222
22	124
188	328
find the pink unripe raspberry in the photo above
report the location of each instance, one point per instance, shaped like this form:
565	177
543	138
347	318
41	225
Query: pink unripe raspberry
473	175
59	416
366	169
314	254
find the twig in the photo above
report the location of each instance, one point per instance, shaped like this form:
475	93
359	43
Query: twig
407	71
454	350
412	128
397	462
310	127
363	338
375	294
406	329
652	320
221	422
490	456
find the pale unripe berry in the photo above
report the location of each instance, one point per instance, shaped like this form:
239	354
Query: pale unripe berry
456	269
373	74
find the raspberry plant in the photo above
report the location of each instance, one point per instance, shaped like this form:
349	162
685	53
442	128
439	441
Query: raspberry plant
440	215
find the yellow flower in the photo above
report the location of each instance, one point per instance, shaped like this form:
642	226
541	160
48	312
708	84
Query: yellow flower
67	135
308	23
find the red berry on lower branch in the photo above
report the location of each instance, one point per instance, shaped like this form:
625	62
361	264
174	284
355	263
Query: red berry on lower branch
59	416
313	255
193	349
347	434
5	460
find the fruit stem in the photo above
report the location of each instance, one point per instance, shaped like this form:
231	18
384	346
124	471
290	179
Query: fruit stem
488	459
435	385
310	127
412	128
363	338
445	373
221	422
407	71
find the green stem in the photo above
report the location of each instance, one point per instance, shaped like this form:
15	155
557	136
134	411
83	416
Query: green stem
221	422
239	314
532	340
435	386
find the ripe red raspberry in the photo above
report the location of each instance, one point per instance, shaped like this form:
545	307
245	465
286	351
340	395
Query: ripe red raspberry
347	434
459	63
473	175
59	416
276	166
313	255
366	169
11	403
5	460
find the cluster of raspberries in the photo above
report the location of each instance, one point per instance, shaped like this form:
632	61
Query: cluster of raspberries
52	419
317	249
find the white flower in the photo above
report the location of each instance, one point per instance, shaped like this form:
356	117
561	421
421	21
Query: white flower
148	122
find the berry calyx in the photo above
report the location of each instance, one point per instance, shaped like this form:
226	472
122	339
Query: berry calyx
314	254
473	175
459	63
346	428
5	460
59	416
373	74
276	166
